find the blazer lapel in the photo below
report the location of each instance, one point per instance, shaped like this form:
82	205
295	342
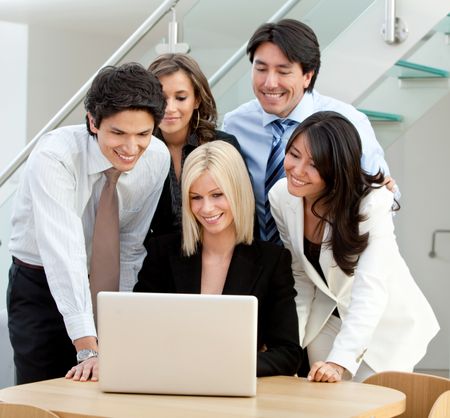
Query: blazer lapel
296	225
315	276
326	259
244	270
187	273
338	281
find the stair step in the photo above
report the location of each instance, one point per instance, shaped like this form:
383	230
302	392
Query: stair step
376	116
413	70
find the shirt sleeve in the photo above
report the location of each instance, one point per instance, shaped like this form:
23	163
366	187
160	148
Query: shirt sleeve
373	155
60	239
372	159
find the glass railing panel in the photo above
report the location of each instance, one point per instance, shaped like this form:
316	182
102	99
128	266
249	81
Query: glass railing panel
143	52
216	29
444	25
328	18
410	88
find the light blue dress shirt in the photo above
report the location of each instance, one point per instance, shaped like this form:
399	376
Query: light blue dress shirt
251	125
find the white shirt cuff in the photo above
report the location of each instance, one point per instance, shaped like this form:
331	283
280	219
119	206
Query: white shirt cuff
80	325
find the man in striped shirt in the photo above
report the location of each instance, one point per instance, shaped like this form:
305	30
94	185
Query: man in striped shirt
49	304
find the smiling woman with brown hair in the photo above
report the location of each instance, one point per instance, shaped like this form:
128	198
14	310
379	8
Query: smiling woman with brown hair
189	121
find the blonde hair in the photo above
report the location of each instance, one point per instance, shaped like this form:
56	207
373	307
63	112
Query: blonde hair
226	166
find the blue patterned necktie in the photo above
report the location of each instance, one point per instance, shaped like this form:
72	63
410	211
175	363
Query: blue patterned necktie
274	172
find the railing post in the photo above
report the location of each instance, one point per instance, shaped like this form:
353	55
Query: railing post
394	30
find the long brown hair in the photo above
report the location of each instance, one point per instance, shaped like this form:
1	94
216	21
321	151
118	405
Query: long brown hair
204	119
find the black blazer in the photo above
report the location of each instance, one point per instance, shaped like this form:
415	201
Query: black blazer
261	269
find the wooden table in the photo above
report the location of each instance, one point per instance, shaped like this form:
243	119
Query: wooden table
277	397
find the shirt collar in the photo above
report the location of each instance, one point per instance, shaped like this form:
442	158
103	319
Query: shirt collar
193	140
304	109
97	162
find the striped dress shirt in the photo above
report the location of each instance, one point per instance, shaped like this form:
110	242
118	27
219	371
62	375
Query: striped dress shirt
54	214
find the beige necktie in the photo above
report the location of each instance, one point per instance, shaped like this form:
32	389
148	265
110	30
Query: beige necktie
105	259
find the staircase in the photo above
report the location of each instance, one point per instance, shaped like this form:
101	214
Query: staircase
411	87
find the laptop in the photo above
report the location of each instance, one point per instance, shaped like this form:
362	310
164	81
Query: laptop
186	344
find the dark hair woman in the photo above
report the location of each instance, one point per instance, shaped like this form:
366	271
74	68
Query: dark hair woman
360	311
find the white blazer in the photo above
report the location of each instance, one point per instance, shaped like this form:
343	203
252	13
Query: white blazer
385	317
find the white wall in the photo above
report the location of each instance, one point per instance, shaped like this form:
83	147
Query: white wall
13	103
420	162
13	89
60	62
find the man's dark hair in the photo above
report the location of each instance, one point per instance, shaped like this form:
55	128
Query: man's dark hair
126	87
295	39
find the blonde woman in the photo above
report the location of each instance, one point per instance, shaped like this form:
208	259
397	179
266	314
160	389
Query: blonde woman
218	255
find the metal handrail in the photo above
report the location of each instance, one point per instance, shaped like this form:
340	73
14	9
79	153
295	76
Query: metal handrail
234	59
432	253
78	97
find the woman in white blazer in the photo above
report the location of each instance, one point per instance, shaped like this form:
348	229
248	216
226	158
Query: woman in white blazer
360	311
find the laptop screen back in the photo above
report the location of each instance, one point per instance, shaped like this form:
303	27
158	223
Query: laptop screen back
186	344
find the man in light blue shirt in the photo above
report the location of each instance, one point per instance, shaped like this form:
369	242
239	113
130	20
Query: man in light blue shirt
285	59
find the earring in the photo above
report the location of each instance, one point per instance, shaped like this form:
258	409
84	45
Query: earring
198	119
